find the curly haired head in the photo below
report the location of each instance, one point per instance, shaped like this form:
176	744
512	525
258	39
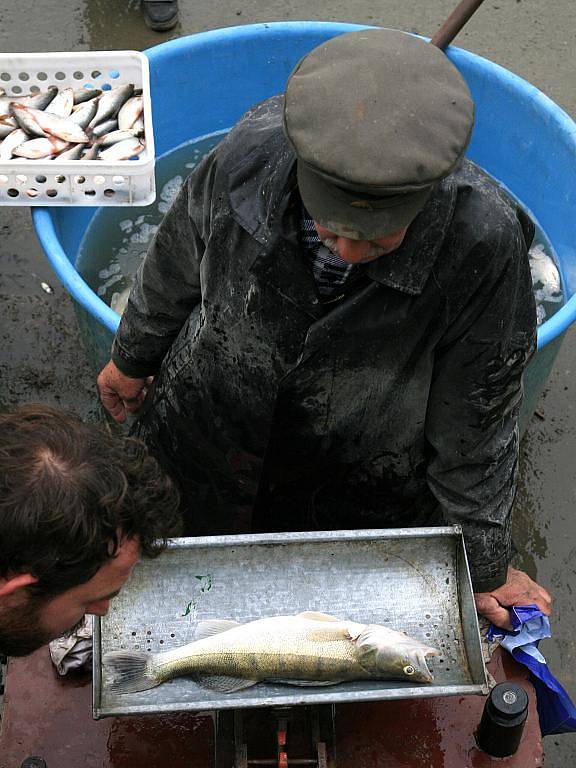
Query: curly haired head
69	491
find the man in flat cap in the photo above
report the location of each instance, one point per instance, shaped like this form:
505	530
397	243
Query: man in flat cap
337	311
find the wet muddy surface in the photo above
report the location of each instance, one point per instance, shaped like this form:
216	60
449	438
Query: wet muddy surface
40	352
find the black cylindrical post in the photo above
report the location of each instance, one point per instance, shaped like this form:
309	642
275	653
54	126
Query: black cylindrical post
503	720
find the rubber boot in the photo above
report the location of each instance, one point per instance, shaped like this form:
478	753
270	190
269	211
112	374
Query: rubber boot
160	15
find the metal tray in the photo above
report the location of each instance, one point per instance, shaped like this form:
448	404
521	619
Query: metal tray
413	579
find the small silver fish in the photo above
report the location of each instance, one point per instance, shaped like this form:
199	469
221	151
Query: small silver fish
62	103
38	148
124	150
5	102
74	153
26	119
84	112
53	125
115	136
110	103
42	99
36	100
15	139
85	94
130	112
307	649
106	127
7	125
92	152
138	126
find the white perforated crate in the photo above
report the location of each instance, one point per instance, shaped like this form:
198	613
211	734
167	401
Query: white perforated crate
78	182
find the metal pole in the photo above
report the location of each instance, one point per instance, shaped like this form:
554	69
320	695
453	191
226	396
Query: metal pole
455	22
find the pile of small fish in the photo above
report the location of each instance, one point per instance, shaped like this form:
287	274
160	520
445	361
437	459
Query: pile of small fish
68	124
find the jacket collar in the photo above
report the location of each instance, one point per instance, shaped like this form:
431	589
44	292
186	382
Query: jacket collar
262	201
407	269
260	194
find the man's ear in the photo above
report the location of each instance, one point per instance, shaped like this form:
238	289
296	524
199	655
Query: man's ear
9	584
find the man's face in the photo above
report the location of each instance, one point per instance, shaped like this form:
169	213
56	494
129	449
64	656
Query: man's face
28	621
360	251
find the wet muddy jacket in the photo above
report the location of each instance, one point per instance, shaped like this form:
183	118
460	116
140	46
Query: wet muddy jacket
395	405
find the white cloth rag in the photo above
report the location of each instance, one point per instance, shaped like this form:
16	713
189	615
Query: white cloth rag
73	650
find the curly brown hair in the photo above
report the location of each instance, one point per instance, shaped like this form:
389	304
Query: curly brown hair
68	490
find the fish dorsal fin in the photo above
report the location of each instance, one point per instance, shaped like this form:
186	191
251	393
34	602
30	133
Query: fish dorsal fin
224	683
214	627
317	616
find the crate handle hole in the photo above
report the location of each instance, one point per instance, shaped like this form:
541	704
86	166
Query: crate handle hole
24	76
109	192
16	89
118	180
80	179
99	179
5	76
42	76
41	179
32	192
51	192
60	76
34	89
96	74
90	192
60	179
114	74
78	75
13	192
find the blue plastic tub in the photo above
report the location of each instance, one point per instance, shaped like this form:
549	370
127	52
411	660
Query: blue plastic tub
205	82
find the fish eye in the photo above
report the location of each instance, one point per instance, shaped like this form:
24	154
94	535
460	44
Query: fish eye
409	669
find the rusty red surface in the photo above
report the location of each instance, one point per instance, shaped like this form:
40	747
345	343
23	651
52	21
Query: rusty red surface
432	733
50	717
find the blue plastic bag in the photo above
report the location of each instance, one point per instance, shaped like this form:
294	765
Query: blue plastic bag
556	712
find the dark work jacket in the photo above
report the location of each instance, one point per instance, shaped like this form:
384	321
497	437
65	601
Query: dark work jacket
395	406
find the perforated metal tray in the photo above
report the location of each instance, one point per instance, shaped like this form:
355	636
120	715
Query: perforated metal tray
414	579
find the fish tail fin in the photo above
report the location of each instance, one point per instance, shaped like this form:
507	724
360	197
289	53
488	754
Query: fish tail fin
130	671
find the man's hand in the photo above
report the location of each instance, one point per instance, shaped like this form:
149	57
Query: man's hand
120	393
519	589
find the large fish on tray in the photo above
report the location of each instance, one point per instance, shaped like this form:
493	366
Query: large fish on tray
307	649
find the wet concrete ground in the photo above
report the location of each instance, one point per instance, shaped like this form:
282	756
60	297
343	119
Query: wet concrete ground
40	353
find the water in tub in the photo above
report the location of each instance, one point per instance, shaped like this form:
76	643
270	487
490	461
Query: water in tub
109	260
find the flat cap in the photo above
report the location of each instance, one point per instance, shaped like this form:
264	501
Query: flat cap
376	118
